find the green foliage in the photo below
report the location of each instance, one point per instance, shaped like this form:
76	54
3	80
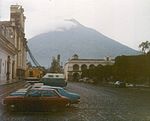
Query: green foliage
85	73
99	74
55	65
133	69
145	46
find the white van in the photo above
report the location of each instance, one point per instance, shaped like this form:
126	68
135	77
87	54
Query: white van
54	79
53	75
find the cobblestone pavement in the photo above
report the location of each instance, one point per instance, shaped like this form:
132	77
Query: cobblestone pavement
97	104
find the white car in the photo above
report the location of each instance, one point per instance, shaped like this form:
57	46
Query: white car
120	84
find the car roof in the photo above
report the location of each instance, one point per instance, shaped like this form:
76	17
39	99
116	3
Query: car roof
42	89
53	75
46	89
40	85
52	87
22	90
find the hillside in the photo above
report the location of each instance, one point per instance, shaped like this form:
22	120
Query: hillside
77	39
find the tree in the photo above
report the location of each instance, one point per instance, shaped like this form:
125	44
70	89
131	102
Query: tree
133	69
85	73
145	46
55	65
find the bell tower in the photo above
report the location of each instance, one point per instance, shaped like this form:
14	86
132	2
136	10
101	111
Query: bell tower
17	17
17	20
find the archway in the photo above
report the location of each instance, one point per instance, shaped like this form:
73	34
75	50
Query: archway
92	66
76	67
99	66
83	67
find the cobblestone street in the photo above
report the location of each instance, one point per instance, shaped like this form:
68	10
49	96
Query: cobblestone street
97	104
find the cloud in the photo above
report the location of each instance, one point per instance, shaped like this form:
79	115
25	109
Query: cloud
126	21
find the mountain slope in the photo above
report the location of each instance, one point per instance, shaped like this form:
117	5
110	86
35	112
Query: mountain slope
78	39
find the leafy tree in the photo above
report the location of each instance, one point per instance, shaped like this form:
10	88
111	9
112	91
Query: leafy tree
145	46
133	69
55	65
85	73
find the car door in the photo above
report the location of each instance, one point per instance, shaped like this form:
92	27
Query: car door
50	99
32	100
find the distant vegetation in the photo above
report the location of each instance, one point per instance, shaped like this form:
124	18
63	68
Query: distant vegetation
145	47
132	69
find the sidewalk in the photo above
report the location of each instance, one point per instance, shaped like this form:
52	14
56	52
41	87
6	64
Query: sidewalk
2	83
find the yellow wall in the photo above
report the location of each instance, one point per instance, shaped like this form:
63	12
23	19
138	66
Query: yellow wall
34	72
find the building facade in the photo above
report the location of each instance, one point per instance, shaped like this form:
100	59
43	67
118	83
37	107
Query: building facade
74	67
13	46
34	73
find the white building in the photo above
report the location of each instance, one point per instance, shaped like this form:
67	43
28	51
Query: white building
73	68
12	46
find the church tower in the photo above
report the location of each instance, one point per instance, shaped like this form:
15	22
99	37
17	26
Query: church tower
17	20
17	17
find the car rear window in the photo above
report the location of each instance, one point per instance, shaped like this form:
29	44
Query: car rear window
17	94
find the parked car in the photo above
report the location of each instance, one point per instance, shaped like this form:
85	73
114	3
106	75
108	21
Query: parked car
73	97
20	92
32	80
54	79
86	80
36	100
120	84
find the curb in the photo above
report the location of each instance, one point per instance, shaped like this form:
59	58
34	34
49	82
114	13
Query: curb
5	84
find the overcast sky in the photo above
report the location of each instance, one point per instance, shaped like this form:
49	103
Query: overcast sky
126	21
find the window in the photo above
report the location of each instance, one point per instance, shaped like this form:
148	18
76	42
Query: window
76	67
91	66
48	93
57	75
84	67
34	93
50	76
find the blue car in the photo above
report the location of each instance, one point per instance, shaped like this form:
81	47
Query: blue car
73	97
20	92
